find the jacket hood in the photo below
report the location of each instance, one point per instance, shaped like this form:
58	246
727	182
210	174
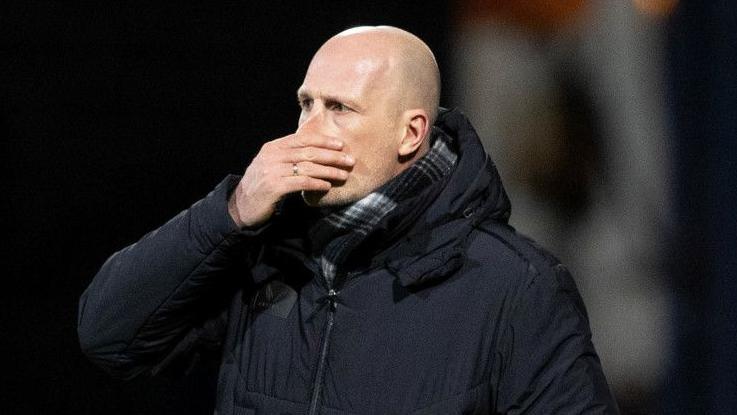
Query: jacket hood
475	183
473	192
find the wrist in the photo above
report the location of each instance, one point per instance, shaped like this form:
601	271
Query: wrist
233	211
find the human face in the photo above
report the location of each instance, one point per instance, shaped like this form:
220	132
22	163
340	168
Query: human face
348	94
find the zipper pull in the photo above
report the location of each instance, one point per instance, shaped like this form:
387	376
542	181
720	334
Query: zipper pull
333	299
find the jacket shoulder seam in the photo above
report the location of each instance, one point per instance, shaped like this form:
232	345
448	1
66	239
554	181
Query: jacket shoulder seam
525	248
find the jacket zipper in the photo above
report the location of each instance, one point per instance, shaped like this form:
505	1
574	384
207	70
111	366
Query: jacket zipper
317	386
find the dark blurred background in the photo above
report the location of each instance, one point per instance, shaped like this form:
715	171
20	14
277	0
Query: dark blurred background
614	126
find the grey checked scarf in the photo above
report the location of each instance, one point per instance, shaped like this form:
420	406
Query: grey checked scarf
346	228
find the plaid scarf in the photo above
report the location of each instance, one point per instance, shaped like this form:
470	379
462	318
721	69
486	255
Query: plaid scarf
343	230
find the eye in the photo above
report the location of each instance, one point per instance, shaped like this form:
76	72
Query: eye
305	103
339	107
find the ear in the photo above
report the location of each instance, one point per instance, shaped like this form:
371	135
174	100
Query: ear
415	131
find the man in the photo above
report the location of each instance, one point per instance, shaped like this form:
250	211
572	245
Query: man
360	265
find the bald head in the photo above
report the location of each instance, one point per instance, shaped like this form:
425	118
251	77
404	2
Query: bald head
402	60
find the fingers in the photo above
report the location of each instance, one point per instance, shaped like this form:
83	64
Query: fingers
293	184
313	148
316	155
310	140
315	170
316	149
320	162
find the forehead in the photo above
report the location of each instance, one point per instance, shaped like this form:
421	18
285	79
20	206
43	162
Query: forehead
339	71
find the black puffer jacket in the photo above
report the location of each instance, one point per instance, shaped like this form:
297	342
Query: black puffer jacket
445	310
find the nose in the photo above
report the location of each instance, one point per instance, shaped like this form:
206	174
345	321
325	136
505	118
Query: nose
311	121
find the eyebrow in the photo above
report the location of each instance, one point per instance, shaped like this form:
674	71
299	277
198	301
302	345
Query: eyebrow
303	94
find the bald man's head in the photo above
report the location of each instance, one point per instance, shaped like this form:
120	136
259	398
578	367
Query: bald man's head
376	89
413	65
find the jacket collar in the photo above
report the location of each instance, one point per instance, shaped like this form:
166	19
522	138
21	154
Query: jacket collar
434	247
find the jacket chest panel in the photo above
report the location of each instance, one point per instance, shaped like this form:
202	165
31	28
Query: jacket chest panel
413	349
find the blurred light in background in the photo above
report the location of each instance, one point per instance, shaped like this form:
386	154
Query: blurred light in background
569	99
657	8
533	15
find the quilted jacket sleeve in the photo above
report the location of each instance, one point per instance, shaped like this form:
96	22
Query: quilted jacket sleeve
152	295
549	365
